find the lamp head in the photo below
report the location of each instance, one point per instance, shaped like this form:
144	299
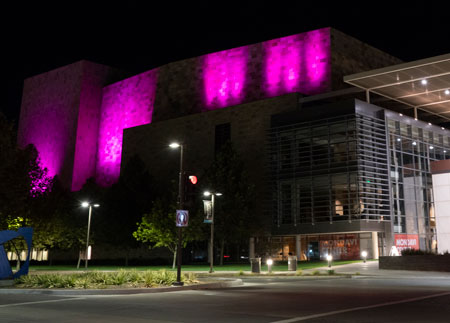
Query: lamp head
206	193
329	257
174	145
270	262
85	204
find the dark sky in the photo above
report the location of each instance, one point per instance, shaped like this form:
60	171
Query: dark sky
40	36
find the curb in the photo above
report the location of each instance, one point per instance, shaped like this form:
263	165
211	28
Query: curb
225	283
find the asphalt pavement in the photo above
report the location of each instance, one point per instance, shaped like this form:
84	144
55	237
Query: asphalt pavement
373	296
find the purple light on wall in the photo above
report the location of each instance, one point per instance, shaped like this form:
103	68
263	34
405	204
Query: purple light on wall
283	60
224	77
125	104
317	56
297	63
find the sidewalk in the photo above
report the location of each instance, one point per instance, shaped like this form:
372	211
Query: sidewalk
370	268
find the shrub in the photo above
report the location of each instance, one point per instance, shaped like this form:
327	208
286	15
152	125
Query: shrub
330	272
96	279
415	252
316	273
299	272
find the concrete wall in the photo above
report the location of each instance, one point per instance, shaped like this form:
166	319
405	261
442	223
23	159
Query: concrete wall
425	263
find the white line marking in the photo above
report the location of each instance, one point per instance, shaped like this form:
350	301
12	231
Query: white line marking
40	302
303	318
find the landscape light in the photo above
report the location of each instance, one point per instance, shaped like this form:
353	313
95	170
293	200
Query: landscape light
269	264
364	255
329	258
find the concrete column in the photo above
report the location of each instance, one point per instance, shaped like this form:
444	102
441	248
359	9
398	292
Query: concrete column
251	248
375	254
298	247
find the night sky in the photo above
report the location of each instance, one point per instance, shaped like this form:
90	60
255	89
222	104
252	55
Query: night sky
41	36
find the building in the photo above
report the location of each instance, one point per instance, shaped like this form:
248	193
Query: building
330	175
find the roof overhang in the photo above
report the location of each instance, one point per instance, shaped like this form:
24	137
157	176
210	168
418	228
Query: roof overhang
423	85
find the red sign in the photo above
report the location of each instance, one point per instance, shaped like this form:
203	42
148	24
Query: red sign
406	241
342	247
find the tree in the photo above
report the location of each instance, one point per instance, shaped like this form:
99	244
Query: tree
234	219
157	228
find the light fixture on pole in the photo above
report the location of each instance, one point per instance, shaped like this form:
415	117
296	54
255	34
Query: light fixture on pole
211	247
329	259
86	255
181	206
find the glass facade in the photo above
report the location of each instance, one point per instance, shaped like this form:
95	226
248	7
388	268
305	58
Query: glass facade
367	165
329	170
412	148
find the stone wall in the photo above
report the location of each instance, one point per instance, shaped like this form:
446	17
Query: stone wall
424	263
350	55
61	108
249	124
125	104
60	115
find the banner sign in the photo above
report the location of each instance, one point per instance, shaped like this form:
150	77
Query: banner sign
182	218
341	247
406	241
207	206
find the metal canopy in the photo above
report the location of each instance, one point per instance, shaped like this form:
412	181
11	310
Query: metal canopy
422	84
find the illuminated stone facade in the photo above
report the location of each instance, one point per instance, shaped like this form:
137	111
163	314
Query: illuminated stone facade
76	117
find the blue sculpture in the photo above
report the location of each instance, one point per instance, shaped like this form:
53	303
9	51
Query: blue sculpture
5	236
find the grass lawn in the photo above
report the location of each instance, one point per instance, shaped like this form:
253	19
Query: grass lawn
278	266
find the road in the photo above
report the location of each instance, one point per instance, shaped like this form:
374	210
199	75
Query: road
405	298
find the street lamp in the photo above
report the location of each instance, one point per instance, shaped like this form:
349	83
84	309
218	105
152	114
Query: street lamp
364	255
87	204
181	206
329	258
211	248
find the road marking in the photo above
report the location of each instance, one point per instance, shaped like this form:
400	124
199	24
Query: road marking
303	318
40	302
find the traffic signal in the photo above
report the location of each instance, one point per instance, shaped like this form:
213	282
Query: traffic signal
190	192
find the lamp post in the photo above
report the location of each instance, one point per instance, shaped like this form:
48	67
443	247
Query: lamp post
181	206
211	247
364	255
329	258
87	204
269	265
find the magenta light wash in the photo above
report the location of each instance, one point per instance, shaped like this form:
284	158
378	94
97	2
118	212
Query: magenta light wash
125	104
